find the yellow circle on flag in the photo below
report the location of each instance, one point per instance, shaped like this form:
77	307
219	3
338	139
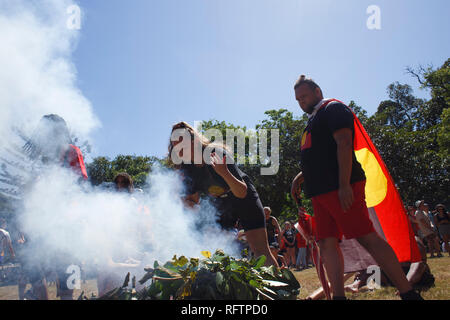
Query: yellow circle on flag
376	183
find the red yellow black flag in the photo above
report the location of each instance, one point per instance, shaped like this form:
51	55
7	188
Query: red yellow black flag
383	197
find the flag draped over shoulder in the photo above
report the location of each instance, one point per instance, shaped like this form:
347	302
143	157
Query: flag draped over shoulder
383	198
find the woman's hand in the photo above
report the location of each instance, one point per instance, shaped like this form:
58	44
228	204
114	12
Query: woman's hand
219	166
237	187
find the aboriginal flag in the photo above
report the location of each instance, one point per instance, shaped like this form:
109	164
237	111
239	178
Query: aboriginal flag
73	158
383	199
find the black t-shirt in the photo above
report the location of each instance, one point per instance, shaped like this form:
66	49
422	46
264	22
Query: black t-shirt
207	182
319	150
289	235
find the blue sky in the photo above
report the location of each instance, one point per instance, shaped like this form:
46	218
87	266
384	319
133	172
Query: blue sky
146	64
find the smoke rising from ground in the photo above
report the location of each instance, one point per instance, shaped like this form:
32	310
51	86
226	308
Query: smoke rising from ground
95	225
57	212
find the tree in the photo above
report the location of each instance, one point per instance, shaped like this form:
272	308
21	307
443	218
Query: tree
411	135
101	169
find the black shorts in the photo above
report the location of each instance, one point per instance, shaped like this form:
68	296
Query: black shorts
248	211
252	215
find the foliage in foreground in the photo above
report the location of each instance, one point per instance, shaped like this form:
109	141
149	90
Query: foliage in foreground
217	277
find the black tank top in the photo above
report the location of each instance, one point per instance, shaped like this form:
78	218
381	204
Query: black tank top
289	235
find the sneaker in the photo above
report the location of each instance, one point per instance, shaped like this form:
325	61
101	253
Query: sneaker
411	295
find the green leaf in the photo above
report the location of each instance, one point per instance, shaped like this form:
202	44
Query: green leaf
260	262
219	279
272	283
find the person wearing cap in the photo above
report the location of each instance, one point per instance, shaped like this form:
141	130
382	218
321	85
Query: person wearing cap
426	230
442	222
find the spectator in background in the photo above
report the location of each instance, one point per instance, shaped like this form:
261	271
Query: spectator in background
288	236
442	222
111	273
412	218
5	241
430	216
272	227
426	230
275	250
124	182
301	255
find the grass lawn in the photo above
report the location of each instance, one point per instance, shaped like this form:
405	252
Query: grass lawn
441	291
11	293
309	282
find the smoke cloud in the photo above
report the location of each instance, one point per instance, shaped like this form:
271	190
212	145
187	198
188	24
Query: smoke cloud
38	76
58	213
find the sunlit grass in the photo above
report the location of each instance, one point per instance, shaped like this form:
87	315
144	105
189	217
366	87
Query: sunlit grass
439	268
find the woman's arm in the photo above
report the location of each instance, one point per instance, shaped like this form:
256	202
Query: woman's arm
237	187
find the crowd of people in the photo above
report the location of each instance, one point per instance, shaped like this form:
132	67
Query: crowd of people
431	227
331	176
287	244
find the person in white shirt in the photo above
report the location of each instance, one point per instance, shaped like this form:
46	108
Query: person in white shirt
426	230
5	241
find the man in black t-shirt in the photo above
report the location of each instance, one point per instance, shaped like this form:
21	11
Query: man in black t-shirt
335	182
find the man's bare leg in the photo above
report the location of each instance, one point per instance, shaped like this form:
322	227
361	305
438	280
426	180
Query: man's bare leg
334	265
383	254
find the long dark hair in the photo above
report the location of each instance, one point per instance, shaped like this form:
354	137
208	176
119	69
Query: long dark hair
194	135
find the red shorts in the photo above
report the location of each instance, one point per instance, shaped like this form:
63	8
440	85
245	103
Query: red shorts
332	222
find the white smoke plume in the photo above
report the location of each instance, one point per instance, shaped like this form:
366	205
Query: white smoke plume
60	215
96	225
37	75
